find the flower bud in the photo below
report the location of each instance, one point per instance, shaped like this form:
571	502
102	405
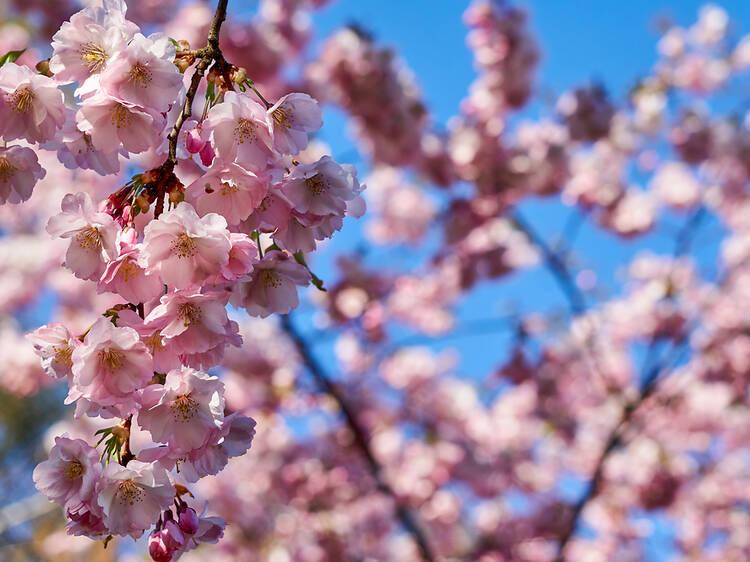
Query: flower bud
239	75
188	521
172	535
157	548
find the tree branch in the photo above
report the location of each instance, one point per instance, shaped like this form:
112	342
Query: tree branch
210	53
648	385
360	438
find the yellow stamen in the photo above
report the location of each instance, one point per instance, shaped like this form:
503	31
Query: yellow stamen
22	100
245	129
228	188
7	170
270	278
93	57
184	246
129	492
316	184
189	313
282	117
111	360
140	74
73	470
129	270
89	238
121	117
63	354
184	408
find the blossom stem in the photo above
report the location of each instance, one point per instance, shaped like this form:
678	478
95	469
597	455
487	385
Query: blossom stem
405	516
210	53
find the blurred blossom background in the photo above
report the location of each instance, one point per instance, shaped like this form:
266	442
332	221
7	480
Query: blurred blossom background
536	344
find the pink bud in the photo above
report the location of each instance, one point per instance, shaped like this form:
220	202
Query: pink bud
157	548
193	142
173	536
189	521
207	154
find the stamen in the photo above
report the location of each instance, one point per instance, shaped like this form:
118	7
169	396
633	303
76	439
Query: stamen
63	354
22	100
93	57
189	313
129	492
228	188
89	238
282	117
155	343
121	117
245	129
140	74
270	278
7	170
129	270
111	360
184	246
184	408
316	184
73	470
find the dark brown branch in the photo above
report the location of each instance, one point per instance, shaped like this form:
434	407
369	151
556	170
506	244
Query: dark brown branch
210	53
360	437
648	385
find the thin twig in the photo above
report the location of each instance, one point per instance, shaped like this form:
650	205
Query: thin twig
360	438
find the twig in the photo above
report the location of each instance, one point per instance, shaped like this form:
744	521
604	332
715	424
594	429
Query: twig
360	438
210	53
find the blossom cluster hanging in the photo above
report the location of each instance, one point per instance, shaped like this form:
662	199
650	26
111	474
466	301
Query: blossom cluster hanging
176	254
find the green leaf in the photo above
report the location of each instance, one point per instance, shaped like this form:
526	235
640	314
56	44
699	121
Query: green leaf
210	91
175	43
11	56
317	282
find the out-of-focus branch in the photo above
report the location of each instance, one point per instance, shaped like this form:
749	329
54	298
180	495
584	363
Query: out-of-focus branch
360	438
554	263
648	385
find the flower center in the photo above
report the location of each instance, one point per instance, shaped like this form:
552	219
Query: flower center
111	360
184	408
245	129
93	57
282	117
120	116
270	278
183	246
129	492
316	184
63	354
154	343
89	238
129	270
73	470
22	100
228	188
6	169
189	313
140	74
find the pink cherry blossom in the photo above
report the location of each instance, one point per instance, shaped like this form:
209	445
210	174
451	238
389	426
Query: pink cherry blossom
110	367
31	105
75	150
321	188
93	235
83	45
19	172
111	122
164	356
54	344
291	119
185	249
229	190
238	131
272	286
72	475
184	410
191	322
133	496
143	74
125	276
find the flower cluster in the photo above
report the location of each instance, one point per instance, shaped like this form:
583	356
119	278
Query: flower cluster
229	216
